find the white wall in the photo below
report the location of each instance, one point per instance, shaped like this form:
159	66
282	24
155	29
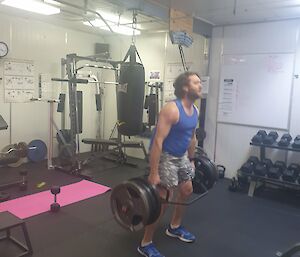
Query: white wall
45	44
227	143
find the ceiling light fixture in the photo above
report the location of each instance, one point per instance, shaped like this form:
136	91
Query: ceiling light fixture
115	22
32	6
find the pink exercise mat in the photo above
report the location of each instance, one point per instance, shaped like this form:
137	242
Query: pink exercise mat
30	205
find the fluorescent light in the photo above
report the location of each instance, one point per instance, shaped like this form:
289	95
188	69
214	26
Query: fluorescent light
32	6
120	29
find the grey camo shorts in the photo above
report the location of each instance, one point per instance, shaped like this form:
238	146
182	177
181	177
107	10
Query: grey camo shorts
175	170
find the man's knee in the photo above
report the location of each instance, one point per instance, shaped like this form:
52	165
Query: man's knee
186	188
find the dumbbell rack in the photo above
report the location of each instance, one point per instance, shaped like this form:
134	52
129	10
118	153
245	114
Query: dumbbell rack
257	181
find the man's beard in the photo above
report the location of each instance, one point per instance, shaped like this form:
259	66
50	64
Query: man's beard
193	96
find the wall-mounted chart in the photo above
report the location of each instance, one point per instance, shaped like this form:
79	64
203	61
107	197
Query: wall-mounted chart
19	82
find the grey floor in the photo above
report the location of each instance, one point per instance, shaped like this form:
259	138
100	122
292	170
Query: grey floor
226	224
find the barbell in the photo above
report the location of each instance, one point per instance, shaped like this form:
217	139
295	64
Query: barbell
136	203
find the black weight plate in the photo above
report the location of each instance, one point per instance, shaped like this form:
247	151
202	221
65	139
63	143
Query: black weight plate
207	171
155	200
130	205
210	172
151	202
137	204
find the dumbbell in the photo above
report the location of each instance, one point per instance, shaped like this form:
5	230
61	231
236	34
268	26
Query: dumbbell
262	168
234	185
285	140
23	183
276	170
249	166
221	171
259	137
270	138
291	173
55	207
296	143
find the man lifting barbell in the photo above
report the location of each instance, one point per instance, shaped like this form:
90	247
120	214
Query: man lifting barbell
171	156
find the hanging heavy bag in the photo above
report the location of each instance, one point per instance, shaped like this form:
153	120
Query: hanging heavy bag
130	95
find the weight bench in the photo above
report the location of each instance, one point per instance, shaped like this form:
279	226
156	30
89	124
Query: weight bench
9	221
104	144
99	145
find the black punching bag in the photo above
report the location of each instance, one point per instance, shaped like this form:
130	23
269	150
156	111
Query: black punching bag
130	95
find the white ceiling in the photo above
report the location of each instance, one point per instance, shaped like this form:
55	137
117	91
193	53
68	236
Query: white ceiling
217	12
74	18
223	12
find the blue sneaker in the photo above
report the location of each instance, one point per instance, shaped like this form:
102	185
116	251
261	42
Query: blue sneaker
181	233
149	251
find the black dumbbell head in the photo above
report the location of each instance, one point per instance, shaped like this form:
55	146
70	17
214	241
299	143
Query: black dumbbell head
274	172
253	160
287	136
23	173
261	169
291	173
296	143
54	207
262	133
257	139
280	164
247	168
269	140
273	134
23	186
294	166
55	190
267	162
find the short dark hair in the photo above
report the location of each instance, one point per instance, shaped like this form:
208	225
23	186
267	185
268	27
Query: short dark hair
181	81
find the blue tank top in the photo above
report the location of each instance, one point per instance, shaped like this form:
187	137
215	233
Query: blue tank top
180	135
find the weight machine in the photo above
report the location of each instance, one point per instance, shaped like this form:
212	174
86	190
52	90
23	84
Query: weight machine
72	147
153	104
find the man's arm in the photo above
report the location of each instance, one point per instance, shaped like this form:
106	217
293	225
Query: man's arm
192	147
168	116
193	143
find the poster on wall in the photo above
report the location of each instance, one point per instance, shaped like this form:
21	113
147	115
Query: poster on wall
205	85
227	97
154	76
19	82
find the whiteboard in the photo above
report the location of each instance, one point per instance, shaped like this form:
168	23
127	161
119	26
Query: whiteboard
256	89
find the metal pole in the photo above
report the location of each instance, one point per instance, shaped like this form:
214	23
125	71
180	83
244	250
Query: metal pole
72	105
50	146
